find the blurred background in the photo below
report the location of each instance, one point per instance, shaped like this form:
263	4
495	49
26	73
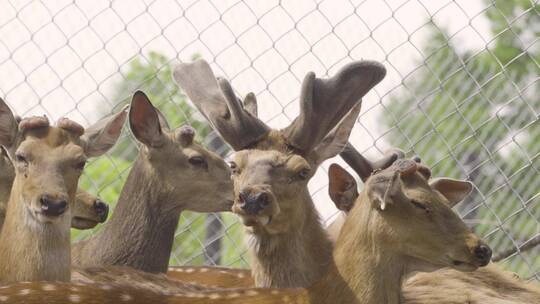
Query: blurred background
462	91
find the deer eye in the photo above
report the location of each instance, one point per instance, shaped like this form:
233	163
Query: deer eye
21	159
303	174
234	168
419	205
198	161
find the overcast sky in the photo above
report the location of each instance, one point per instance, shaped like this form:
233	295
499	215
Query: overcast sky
64	58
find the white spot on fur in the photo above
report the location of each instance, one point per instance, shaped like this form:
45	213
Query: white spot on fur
214	296
179	269
75	289
204	270
190	270
74	298
126	297
252	293
48	287
233	295
274	292
106	287
241	275
24	292
4	298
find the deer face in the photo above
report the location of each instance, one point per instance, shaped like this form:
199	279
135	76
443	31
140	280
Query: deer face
49	161
88	211
269	187
182	166
415	217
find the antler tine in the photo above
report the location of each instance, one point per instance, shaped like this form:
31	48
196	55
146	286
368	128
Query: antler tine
324	102
363	167
216	100
250	104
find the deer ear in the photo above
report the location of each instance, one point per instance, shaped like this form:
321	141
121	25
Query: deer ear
342	188
334	142
101	136
162	120
454	190
9	126
144	121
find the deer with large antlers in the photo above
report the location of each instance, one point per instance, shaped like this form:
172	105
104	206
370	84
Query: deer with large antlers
172	173
485	285
88	210
400	223
48	161
287	244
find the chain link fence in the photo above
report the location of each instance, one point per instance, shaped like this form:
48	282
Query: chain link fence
462	91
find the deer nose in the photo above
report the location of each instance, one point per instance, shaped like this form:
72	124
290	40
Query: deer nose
52	207
252	203
483	254
101	209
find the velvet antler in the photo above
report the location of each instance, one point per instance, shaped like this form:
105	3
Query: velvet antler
363	167
324	102
218	103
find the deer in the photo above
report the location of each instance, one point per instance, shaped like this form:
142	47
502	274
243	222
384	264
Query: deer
271	168
88	210
171	173
343	192
400	223
488	284
48	161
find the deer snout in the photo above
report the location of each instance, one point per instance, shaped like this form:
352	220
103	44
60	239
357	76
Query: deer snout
253	202
102	210
483	254
52	206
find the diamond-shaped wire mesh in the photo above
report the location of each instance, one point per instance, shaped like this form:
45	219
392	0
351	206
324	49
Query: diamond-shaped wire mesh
461	90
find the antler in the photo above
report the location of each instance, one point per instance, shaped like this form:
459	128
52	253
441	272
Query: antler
364	167
324	102
218	103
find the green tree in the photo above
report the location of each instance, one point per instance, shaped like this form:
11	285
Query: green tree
475	114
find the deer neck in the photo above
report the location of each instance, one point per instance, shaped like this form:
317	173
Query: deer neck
140	233
5	189
364	271
296	258
30	250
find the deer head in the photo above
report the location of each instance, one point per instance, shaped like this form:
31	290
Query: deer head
48	162
409	214
178	160
34	145
88	211
273	167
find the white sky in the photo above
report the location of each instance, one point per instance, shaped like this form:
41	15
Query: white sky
63	57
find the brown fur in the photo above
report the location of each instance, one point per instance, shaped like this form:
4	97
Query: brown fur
222	277
371	257
34	244
162	183
377	247
32	249
293	250
485	285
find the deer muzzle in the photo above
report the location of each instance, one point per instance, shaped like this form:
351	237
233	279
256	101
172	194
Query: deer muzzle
51	206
